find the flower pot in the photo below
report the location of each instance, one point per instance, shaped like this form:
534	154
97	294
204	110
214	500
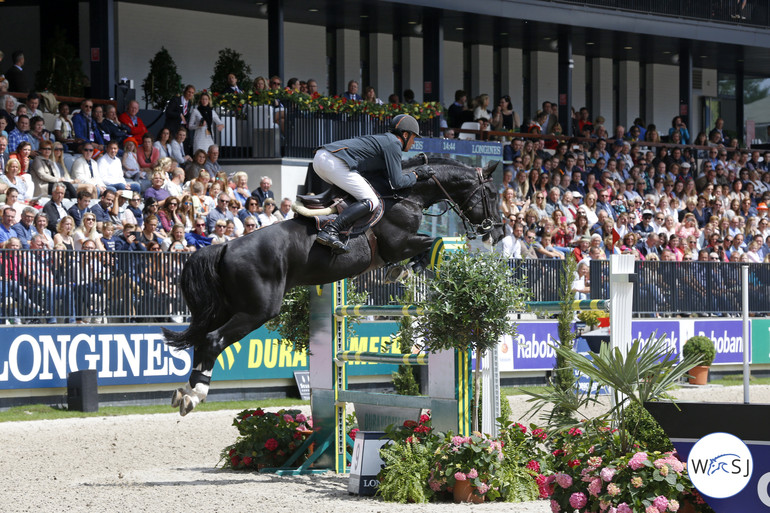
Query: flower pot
464	492
700	375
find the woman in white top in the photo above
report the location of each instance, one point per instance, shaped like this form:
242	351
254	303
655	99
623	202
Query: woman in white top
164	150
371	96
482	108
202	120
87	231
12	179
41	222
268	217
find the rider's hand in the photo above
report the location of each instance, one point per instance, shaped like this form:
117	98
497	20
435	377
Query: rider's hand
424	172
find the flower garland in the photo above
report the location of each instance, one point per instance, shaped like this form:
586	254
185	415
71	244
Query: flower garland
235	102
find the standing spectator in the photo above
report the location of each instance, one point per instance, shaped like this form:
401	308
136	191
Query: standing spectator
232	84
179	110
455	111
17	79
203	120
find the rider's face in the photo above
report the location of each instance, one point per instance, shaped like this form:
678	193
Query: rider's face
409	142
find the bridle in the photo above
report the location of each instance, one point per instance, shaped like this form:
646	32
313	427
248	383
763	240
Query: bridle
472	230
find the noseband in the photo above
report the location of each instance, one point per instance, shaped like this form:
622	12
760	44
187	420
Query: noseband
488	223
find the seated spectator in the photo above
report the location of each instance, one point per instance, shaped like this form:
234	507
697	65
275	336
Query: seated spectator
177	149
193	168
156	191
197	236
168	214
233	206
85	126
128	240
252	209
63	130
87	231
9	104
149	231
111	170
19	134
263	192
38	133
219	237
46	173
118	131
131	119
249	225
284	211
186	211
25	229
102	211
176	241
151	208
212	160
64	230
221	211
12	179
241	190
86	170
81	206
147	155
175	186
108	240
162	144
268	215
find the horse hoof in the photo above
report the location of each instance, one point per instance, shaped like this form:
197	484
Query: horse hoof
187	406
396	274
176	398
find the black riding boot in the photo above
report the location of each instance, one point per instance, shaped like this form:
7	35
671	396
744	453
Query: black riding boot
330	235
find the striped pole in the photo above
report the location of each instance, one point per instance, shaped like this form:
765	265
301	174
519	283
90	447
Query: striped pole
382	310
369	356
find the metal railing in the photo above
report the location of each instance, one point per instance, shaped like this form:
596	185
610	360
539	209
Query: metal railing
754	13
271	132
96	286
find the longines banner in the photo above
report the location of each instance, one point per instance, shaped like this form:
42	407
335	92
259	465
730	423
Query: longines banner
42	356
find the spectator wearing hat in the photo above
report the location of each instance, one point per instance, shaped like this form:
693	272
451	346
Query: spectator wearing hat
645	228
581	250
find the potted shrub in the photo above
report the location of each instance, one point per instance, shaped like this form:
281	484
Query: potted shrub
703	347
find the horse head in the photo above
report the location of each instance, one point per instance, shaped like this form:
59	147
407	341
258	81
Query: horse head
470	193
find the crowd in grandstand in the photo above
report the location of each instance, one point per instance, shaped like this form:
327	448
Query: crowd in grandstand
91	173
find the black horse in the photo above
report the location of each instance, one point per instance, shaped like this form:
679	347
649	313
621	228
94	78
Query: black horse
232	289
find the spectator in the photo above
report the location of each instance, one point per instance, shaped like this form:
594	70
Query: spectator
212	160
370	95
177	147
232	84
128	240
193	168
168	214
219	237
88	231
352	91
179	110
46	173
63	234
25	229
131	119
252	209
12	179
175	185
19	134
263	192
249	224
102	209
131	168
203	120
148	155
157	191
6	226
176	241
111	125
111	170
197	236
15	75
285	212
150	232
268	215
86	170
85	127
41	231
63	130
221	211
454	112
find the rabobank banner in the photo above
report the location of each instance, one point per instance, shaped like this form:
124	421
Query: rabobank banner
42	356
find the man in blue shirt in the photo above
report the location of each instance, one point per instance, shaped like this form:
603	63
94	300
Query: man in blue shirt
19	134
24	229
197	236
80	207
6	226
102	209
85	127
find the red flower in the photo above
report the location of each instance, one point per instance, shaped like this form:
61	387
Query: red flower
352	433
533	465
235	461
259	412
271	444
232	452
539	433
558	452
410	424
522	427
574	463
424	418
247	461
422	429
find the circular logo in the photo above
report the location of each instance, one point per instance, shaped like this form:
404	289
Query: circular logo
720	465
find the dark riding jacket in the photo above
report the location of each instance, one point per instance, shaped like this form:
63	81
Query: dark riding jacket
372	152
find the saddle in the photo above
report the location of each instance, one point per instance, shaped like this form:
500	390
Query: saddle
324	205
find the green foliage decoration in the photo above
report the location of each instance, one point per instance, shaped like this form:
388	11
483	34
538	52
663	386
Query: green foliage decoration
230	61
61	70
701	347
163	82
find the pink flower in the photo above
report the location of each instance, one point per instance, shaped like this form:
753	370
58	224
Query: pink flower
473	474
661	503
595	461
624	508
247	460
555	506
673	506
650	509
578	500
595	487
563	480
482	488
607	474
637	482
612	509
637	461
459	476
300	417
613	489
288	418
434	485
575	432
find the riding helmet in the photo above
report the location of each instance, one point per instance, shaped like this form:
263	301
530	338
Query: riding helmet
404	123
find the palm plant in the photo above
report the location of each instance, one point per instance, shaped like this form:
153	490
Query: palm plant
645	372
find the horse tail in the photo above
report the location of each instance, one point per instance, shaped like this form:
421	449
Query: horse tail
202	290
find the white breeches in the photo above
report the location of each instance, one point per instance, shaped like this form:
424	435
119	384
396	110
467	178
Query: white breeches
335	171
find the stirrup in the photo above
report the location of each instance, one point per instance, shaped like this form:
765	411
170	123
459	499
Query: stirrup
333	241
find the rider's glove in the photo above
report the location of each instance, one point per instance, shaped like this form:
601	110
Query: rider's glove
424	172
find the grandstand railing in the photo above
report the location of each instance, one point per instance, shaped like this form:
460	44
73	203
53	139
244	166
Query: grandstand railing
755	13
269	132
101	286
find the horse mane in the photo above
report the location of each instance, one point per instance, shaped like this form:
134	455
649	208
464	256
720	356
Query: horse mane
433	161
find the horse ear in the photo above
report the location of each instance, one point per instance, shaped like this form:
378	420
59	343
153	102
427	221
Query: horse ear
492	167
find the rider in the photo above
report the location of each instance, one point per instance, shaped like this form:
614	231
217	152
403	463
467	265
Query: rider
340	163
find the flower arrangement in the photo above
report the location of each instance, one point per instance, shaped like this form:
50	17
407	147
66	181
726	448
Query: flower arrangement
266	439
475	458
235	102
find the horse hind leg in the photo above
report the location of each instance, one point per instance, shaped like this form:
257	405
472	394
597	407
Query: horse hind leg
197	389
